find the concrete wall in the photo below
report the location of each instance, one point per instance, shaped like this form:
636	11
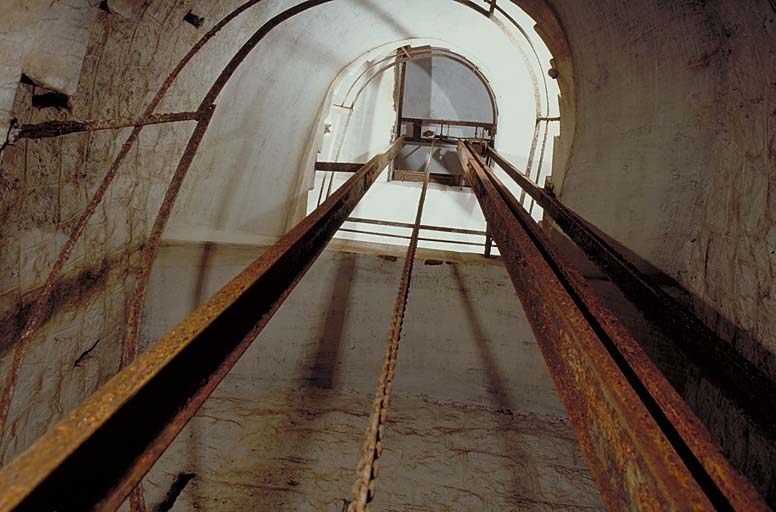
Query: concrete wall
674	148
475	423
46	184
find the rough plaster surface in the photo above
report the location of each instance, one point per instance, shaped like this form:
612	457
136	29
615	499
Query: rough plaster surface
675	149
128	9
44	186
46	40
475	423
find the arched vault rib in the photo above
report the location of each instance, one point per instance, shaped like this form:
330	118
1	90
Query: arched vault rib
422	55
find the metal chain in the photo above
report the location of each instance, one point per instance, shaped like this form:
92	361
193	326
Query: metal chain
364	488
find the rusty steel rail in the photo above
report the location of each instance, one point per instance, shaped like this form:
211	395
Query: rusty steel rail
337	166
48	129
646	449
423	227
736	377
96	456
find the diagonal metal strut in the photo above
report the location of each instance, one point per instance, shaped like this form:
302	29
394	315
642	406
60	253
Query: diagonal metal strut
97	455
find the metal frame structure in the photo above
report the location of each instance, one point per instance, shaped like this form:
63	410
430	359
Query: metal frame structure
409	54
646	448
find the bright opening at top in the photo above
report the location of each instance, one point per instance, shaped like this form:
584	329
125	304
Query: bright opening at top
435	94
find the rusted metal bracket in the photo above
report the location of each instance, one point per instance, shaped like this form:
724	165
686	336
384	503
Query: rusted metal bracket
58	128
646	449
96	456
337	166
423	227
488	243
737	378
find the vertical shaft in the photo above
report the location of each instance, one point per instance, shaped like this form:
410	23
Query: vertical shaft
364	488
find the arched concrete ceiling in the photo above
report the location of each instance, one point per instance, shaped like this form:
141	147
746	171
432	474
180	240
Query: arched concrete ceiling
252	168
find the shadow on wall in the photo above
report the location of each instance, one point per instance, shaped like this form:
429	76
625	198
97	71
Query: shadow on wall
203	281
387	18
321	377
318	387
744	342
522	484
323	372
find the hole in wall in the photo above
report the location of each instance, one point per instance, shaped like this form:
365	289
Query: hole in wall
193	19
180	483
51	99
46	98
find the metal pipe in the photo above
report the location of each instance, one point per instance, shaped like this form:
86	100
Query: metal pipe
450	122
337	166
541	161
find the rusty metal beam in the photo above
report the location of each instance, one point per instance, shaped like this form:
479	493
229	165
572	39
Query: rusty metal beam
423	227
95	456
451	122
337	166
420	141
398	174
401	77
740	381
646	449
434	177
488	243
407	237
57	128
